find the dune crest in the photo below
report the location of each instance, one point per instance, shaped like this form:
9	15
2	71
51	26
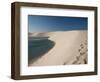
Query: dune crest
70	48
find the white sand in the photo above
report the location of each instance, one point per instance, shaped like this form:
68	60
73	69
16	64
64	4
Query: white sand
70	48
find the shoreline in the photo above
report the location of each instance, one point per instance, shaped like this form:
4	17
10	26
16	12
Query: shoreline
66	50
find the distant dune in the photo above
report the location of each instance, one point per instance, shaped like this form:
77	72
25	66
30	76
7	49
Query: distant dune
70	48
42	34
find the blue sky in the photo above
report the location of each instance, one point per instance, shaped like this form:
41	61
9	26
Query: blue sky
56	23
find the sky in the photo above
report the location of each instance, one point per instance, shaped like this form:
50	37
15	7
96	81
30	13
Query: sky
41	23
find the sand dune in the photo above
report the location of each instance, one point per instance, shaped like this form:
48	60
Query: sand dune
70	48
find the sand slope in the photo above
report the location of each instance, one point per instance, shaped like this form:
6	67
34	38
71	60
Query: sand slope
70	48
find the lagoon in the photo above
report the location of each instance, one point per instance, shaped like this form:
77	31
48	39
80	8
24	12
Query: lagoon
38	46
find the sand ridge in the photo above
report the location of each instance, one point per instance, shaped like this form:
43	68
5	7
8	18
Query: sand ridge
70	48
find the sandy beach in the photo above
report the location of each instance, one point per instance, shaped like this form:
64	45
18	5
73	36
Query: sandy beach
70	48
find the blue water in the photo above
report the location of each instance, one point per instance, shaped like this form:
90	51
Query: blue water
38	46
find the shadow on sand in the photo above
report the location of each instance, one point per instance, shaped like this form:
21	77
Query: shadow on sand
37	47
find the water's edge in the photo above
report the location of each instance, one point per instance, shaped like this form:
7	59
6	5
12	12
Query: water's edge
37	47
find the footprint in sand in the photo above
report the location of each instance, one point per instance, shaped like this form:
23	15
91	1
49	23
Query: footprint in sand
82	57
